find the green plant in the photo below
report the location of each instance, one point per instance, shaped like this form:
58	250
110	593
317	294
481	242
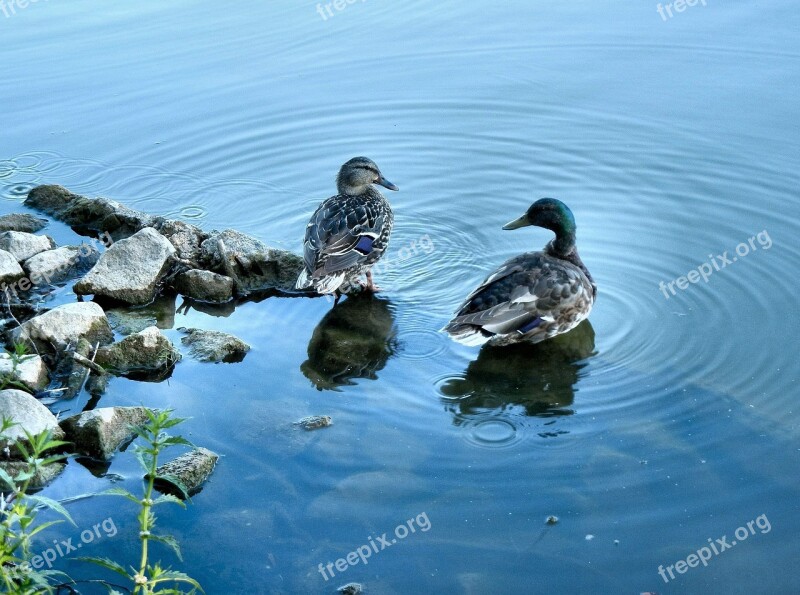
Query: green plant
17	353
147	578
18	511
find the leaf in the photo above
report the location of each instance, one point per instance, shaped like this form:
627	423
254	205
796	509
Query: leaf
164	498
174	440
52	505
173	480
42	527
6	479
121	492
107	564
174	575
170	541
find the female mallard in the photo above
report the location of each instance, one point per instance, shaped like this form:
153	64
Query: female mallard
533	296
349	232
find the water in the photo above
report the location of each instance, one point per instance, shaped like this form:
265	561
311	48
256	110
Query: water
660	423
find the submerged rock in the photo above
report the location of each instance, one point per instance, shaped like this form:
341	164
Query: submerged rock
24	245
10	270
186	238
40	479
100	432
205	286
160	313
251	264
214	346
314	422
351	589
29	371
24	222
189	471
56	329
29	414
148	349
62	263
130	269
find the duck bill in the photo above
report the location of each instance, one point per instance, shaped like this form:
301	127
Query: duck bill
387	184
517	223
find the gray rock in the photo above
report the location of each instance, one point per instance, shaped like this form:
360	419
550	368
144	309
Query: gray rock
148	349
351	589
314	422
29	414
30	371
68	373
10	270
190	469
40	479
22	222
130	269
56	329
100	432
24	245
186	238
214	346
62	263
204	286
160	313
251	264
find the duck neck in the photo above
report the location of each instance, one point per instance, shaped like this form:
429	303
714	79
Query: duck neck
366	191
563	245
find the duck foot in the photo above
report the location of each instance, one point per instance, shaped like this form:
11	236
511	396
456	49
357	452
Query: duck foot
371	284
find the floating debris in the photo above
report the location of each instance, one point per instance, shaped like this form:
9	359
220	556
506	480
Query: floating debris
314	422
551	520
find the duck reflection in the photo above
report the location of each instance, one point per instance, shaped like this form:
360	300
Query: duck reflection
354	340
539	378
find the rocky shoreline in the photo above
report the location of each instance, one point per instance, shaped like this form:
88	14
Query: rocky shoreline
131	262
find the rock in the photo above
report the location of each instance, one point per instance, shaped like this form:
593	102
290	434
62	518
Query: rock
96	214
204	286
56	329
10	270
42	477
130	269
314	422
24	245
186	238
214	346
62	263
160	313
191	470
29	414
148	349
68	373
22	222
251	264
100	432
351	589
30	371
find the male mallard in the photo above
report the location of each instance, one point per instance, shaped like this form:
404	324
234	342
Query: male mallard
349	232
533	296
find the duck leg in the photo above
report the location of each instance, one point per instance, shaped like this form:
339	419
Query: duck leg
371	284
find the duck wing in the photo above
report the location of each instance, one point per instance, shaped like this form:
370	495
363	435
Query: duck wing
342	234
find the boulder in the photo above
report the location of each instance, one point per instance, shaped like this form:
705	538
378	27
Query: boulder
29	371
214	346
29	414
22	222
204	286
148	349
62	263
40	479
251	264
190	470
130	269
10	271
24	245
57	328
98	433
186	238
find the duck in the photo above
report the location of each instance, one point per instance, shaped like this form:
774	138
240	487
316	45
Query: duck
348	233
534	296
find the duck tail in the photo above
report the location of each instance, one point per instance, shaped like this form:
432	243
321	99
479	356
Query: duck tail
467	334
303	281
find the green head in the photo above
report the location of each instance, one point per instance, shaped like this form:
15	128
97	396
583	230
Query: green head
551	214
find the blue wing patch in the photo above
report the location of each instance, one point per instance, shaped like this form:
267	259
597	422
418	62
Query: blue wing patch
364	244
530	325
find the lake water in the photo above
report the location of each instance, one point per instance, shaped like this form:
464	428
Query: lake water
666	422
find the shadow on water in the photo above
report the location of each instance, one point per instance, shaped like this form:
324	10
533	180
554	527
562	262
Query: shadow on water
354	340
538	378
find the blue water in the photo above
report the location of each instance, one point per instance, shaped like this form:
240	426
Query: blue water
662	423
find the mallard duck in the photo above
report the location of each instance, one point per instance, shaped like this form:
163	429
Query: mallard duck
533	296
349	232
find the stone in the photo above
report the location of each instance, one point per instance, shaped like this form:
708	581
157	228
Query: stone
58	328
314	422
100	432
24	245
40	479
190	470
186	238
130	270
204	286
29	414
62	263
214	346
251	264
24	222
10	271
148	349
160	312
29	371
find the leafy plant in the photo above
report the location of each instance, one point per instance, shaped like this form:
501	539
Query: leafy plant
17	354
147	578
18	511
